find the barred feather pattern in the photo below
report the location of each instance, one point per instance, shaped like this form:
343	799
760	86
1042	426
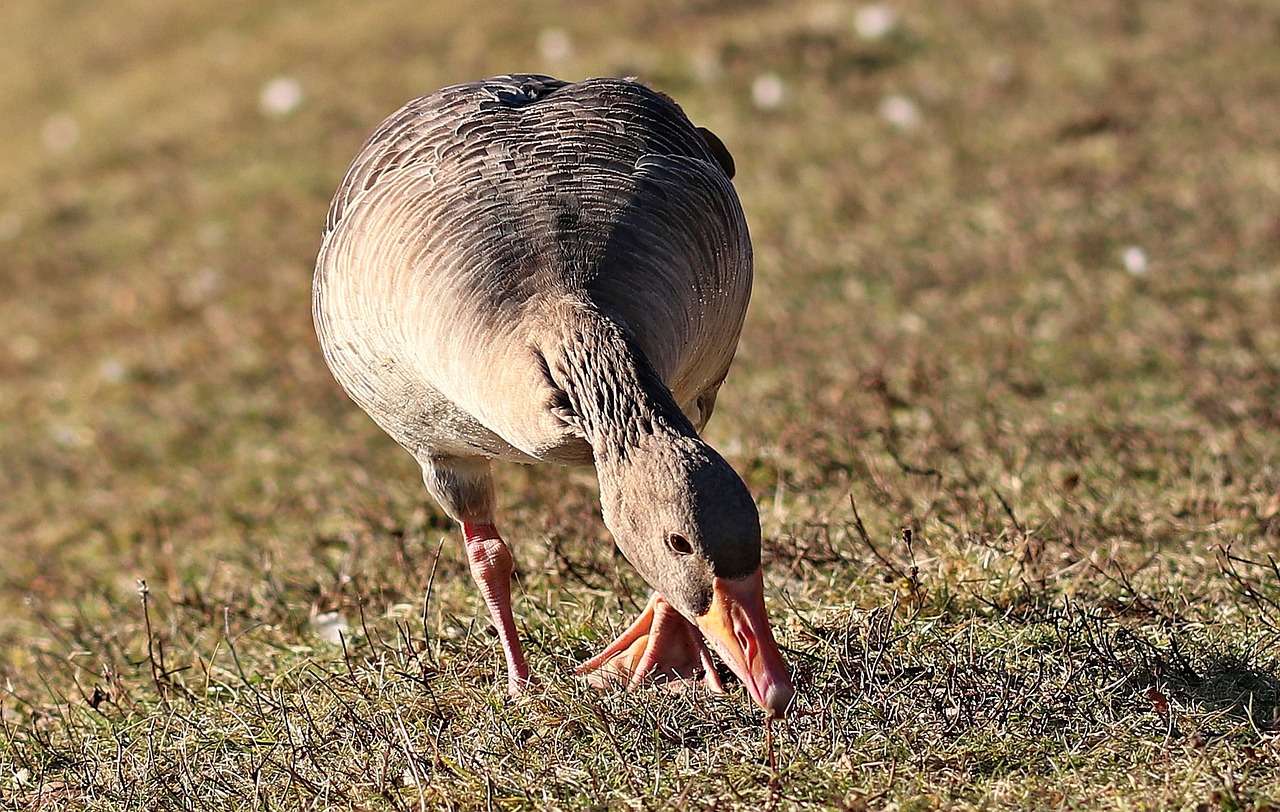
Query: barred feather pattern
502	250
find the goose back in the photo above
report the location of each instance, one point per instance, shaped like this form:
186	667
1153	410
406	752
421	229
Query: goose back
484	222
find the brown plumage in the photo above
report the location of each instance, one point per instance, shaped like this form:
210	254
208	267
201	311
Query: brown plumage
533	270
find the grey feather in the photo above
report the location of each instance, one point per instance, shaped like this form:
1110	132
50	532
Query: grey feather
527	269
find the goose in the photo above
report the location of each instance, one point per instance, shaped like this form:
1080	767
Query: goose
533	270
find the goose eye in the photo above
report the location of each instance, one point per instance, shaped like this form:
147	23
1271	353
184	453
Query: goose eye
679	545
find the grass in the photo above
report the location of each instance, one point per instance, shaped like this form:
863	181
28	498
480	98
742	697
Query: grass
1007	397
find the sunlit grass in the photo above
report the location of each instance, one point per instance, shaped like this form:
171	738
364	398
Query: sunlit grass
1007	398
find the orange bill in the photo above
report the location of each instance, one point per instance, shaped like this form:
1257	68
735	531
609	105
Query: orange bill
737	628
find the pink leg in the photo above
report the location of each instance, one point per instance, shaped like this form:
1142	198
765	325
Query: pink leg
491	566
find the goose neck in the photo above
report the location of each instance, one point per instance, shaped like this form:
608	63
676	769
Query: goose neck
618	400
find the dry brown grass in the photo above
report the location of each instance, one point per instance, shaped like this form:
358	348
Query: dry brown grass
1021	501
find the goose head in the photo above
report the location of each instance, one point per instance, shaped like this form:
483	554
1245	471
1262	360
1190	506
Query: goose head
686	522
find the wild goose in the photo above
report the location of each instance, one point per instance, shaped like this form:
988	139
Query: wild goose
528	269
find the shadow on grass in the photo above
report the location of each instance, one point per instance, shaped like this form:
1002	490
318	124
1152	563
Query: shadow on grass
1187	676
1225	683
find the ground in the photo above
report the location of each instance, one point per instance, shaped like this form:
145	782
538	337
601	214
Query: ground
1008	397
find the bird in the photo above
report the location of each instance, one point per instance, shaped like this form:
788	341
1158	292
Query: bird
534	270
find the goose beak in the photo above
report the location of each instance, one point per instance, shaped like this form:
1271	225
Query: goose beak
737	628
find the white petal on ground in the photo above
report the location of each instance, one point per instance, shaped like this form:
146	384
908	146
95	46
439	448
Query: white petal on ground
112	370
330	627
1135	260
767	91
281	96
875	21
900	111
554	45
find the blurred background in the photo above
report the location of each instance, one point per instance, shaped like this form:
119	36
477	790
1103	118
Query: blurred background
1072	205
1033	213
1017	291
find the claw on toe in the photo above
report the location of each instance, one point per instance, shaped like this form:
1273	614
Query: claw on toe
518	687
660	646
